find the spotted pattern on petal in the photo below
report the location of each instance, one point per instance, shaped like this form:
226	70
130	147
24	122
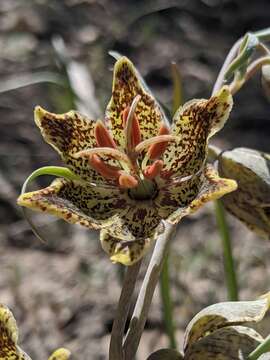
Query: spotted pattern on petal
130	237
126	85
195	123
9	337
178	196
209	187
69	133
77	203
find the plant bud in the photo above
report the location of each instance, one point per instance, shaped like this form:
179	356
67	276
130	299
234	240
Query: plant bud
250	203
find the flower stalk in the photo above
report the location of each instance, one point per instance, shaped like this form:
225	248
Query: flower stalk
117	334
144	299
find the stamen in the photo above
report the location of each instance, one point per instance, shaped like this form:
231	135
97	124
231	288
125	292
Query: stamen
156	140
110	152
103	136
127	181
106	170
153	170
156	150
132	126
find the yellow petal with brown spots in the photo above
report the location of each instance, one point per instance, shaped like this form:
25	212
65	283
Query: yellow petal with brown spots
77	203
195	123
60	354
224	314
126	85
177	201
9	350
230	343
131	236
68	134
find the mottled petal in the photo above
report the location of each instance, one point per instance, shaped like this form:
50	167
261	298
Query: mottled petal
232	342
224	314
195	123
9	350
60	354
128	239
184	198
77	203
126	85
68	134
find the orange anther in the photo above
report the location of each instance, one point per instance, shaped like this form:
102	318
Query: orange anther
125	113
156	150
106	170
153	170
127	181
103	136
135	131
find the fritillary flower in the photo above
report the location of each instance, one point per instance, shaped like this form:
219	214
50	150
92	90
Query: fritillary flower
133	170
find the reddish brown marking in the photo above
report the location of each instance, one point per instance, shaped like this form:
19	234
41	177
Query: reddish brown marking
103	136
106	170
127	181
153	170
156	150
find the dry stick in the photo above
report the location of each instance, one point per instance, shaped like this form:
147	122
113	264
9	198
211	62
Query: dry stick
118	329
144	299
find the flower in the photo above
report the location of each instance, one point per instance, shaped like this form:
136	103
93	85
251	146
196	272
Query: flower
221	331
133	170
250	203
9	349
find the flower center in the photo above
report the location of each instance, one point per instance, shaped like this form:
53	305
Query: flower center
145	190
137	165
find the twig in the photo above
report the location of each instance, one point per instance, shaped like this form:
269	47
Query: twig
144	300
116	351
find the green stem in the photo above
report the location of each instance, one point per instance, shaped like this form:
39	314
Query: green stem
260	349
227	252
167	301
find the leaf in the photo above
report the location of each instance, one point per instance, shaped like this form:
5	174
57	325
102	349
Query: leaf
229	343
80	80
177	88
250	203
224	314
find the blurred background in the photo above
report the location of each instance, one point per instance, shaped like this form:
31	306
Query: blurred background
64	292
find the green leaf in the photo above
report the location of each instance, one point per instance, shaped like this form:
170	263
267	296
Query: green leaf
246	50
